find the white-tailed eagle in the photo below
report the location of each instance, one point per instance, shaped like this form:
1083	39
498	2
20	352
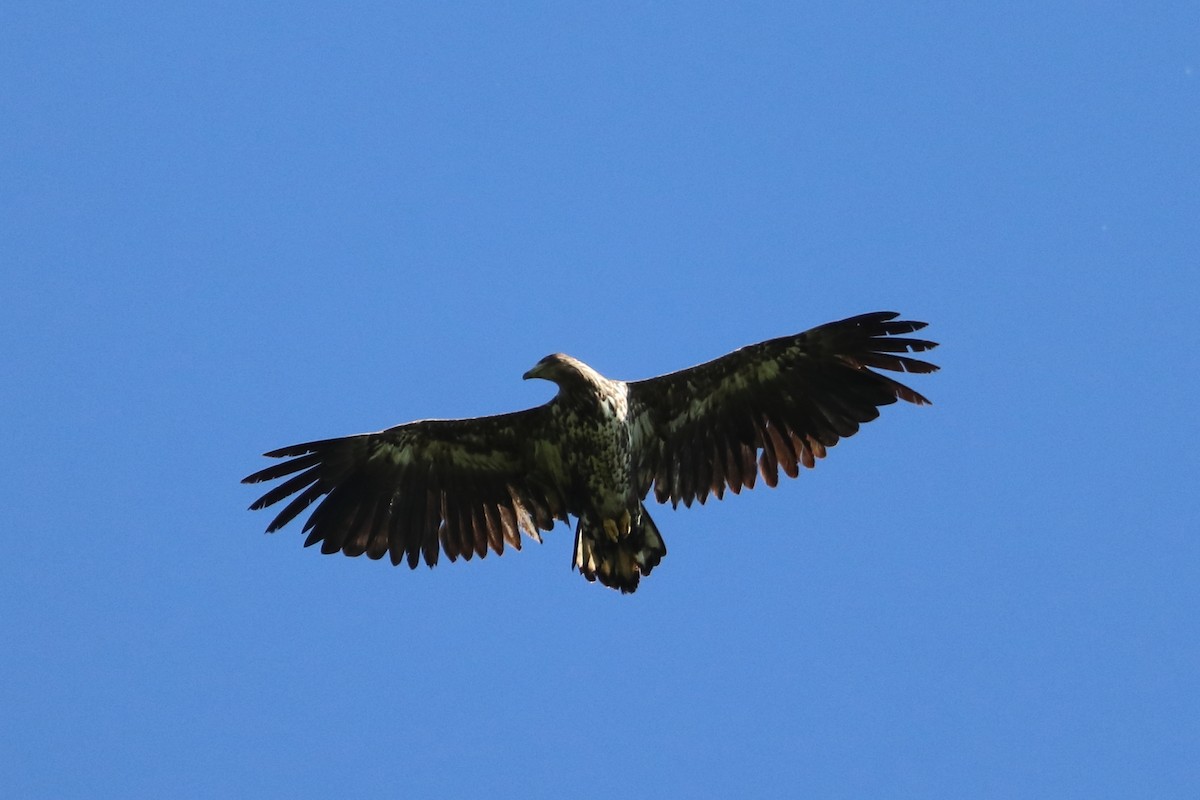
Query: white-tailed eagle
464	486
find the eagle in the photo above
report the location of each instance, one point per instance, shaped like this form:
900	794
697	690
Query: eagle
463	487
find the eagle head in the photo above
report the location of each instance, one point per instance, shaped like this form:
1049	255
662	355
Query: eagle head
551	368
563	370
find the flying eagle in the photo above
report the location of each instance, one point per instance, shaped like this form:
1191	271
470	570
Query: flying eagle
462	486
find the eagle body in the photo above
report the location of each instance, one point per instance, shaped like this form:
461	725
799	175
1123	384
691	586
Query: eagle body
590	419
615	539
594	452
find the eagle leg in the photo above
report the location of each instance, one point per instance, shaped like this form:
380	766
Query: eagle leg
619	563
610	530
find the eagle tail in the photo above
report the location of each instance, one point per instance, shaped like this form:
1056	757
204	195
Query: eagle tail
618	564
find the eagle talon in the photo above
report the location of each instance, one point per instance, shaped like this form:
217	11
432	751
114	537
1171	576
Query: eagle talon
610	529
626	523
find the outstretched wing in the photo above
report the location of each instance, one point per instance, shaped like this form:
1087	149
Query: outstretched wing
463	484
779	403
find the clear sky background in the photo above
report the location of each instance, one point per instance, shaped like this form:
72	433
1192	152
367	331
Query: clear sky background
228	227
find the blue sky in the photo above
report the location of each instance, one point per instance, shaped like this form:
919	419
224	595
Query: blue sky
229	227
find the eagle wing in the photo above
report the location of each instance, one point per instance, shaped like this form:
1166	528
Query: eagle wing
778	403
463	484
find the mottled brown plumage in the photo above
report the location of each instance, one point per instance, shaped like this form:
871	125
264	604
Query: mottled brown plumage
464	487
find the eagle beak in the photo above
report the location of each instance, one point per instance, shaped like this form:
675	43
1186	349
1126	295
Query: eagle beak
532	373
